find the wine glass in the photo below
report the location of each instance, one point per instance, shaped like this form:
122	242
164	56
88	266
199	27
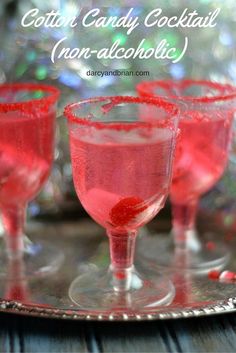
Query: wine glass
122	168
27	126
207	111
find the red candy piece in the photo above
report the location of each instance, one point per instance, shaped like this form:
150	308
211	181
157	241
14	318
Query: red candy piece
214	274
228	275
126	210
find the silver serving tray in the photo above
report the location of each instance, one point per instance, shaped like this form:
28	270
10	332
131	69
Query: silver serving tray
83	243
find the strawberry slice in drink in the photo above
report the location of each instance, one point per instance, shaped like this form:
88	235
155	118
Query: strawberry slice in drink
126	210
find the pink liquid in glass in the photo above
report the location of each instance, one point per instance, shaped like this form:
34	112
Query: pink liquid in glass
122	183
201	155
26	152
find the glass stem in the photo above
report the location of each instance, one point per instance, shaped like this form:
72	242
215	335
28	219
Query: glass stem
122	246
184	220
13	220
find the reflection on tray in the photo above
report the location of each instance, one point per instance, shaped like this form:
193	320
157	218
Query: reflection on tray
85	246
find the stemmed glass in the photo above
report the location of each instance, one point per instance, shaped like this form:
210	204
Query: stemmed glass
27	126
122	170
206	117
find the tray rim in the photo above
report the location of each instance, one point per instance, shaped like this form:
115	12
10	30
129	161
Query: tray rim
225	304
14	307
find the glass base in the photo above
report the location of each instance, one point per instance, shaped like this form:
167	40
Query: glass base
97	290
37	259
198	257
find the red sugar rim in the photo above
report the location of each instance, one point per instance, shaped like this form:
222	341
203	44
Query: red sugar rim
51	98
226	91
112	101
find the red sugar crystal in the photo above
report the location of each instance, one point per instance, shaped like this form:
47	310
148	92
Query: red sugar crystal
120	275
210	245
214	274
126	210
